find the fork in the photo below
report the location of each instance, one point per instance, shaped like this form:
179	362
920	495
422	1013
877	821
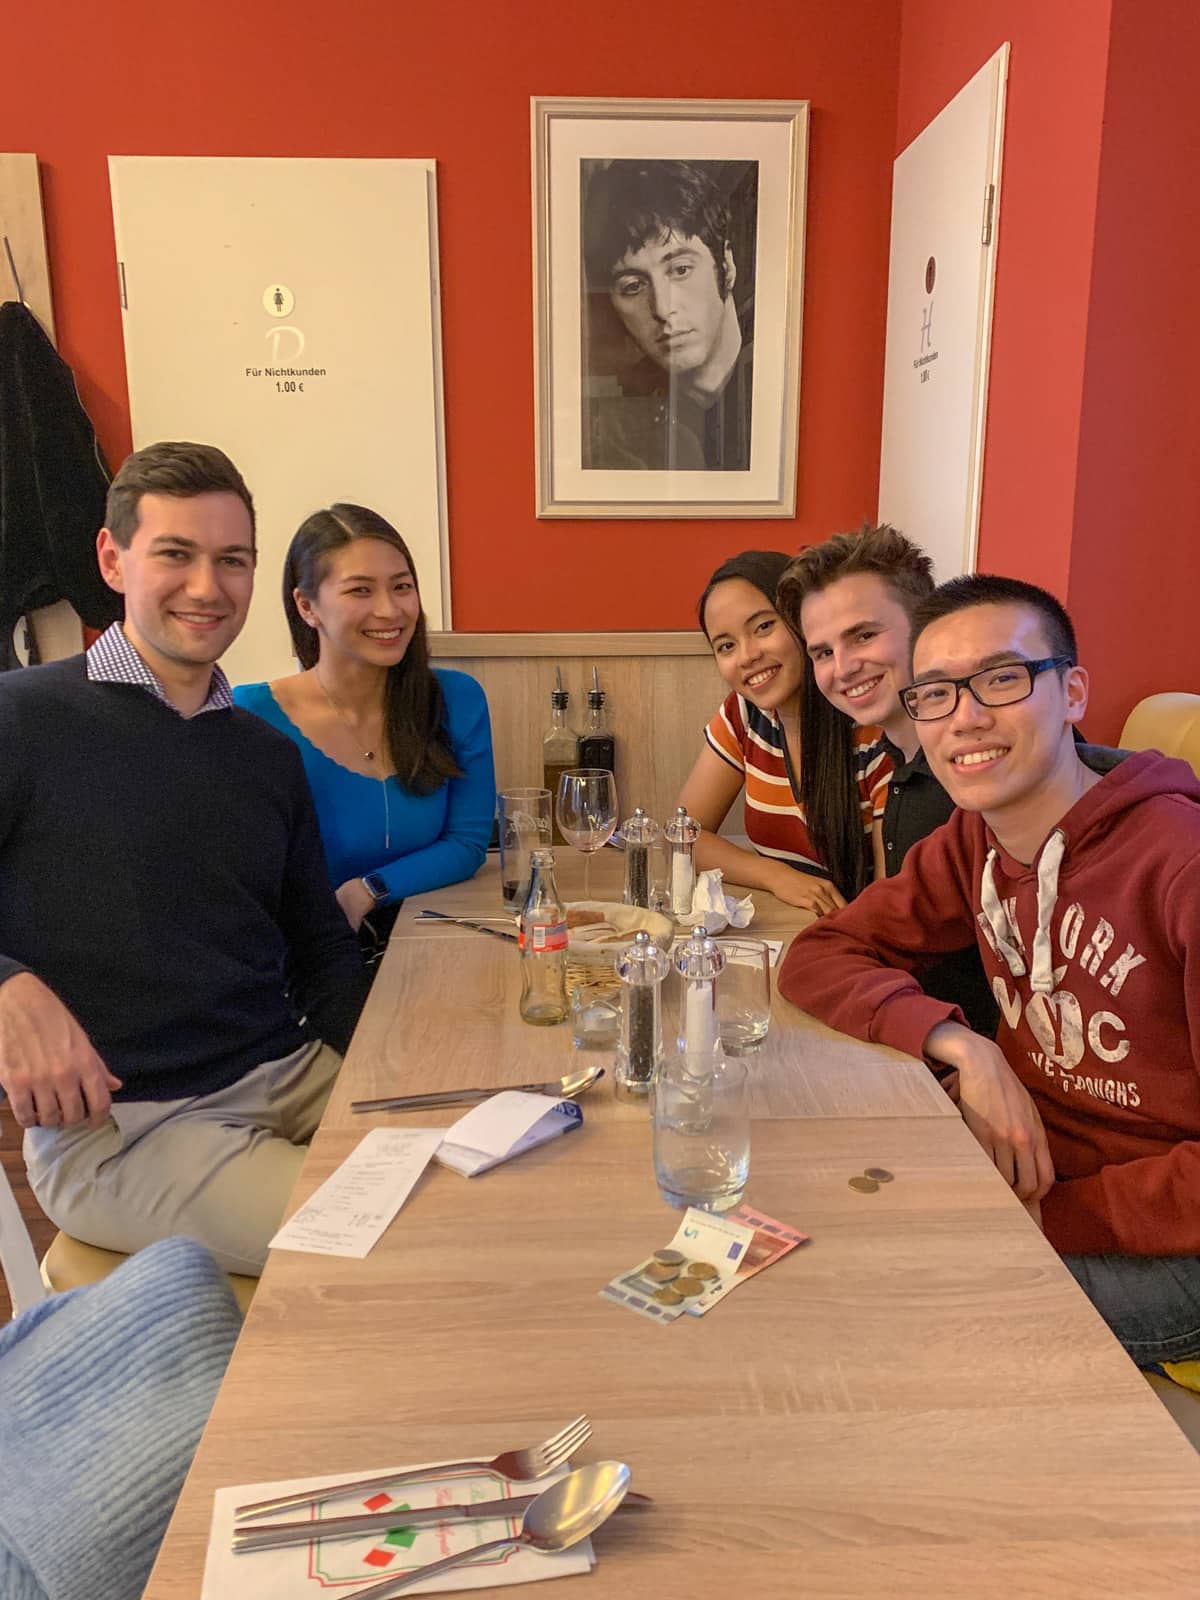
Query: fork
519	1466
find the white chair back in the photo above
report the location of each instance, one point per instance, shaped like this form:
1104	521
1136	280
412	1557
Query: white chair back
17	1259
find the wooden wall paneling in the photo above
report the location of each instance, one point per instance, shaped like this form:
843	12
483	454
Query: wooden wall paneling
661	690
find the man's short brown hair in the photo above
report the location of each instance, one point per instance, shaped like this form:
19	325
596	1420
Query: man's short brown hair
903	566
174	468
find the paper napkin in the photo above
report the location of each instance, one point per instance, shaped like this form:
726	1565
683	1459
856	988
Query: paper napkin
343	1566
507	1125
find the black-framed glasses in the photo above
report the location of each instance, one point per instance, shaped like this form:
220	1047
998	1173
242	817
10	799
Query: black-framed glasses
1001	685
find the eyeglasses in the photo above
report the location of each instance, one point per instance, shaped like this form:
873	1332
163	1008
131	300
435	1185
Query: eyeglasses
994	686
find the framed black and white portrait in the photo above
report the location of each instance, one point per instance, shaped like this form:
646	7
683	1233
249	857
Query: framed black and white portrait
669	251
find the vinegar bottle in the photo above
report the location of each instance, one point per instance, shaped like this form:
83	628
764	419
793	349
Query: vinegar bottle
597	747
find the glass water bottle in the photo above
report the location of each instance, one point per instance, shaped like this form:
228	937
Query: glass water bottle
543	946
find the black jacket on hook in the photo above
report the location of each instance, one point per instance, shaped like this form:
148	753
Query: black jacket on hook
52	483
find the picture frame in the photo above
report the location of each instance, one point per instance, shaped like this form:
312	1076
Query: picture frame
666	235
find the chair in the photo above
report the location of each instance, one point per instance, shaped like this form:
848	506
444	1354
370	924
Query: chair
1166	722
18	1262
68	1263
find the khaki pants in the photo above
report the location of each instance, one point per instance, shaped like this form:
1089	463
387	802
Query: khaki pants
217	1167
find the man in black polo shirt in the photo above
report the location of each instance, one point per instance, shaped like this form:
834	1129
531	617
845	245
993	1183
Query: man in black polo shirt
176	979
852	599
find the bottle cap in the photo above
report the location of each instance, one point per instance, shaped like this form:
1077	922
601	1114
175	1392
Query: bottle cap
560	698
643	962
596	695
640	829
541	858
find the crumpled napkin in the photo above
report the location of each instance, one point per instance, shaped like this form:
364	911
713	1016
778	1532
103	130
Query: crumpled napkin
714	908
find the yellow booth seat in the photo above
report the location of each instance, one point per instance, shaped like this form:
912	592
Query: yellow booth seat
1166	722
69	1263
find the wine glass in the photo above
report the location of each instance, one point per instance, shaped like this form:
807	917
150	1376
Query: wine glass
587	812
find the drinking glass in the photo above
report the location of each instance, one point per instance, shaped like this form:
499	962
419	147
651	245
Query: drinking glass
743	995
587	812
595	1015
701	1132
524	827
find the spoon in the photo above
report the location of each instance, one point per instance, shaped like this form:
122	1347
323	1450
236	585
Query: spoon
568	1088
561	1516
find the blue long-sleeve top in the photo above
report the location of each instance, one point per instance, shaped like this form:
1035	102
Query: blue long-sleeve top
434	839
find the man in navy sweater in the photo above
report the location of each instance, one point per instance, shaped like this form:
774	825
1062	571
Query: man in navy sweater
176	979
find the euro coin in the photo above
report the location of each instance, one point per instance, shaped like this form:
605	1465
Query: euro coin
880	1174
702	1269
864	1185
668	1296
659	1272
670	1258
685	1288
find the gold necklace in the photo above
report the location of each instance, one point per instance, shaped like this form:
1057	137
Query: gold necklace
368	755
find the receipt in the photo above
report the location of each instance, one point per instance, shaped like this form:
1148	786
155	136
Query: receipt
349	1212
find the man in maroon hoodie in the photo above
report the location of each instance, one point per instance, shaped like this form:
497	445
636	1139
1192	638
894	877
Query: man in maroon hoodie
1083	893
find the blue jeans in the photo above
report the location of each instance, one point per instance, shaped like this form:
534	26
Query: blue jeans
1151	1303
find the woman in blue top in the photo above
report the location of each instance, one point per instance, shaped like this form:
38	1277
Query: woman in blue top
398	754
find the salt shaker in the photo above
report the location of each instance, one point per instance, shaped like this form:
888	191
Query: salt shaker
698	961
638	834
642	968
681	834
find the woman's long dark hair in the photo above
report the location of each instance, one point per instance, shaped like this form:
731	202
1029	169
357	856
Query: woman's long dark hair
828	780
829	787
414	711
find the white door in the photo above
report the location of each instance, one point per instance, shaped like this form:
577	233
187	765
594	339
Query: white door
945	211
287	311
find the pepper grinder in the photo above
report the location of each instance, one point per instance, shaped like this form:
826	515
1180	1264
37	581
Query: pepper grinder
641	969
698	962
681	834
638	834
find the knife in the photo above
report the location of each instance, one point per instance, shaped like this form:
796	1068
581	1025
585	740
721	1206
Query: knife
562	1088
269	1536
465	922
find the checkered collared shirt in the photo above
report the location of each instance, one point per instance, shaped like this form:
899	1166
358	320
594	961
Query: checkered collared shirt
112	659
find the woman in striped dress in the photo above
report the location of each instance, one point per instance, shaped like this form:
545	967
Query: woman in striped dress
752	743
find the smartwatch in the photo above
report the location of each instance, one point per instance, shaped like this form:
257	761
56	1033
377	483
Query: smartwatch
373	883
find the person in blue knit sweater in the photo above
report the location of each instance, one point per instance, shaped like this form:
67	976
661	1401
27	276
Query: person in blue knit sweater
106	1393
398	754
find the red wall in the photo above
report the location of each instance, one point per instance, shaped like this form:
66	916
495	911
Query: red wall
453	80
1047	222
1135	554
1091	476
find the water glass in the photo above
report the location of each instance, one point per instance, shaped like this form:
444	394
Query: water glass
595	1015
525	821
744	995
701	1132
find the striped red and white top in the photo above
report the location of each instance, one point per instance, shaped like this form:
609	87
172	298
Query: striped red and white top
751	741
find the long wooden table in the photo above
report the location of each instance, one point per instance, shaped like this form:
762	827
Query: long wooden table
918	1403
